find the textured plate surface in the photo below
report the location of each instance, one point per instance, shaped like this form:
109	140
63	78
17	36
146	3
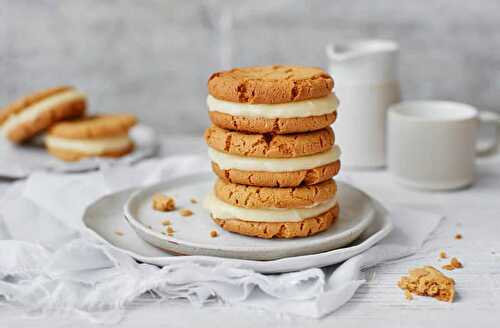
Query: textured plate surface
33	157
105	217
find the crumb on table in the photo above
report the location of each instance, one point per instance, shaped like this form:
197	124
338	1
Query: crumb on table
214	233
443	255
428	281
163	203
454	264
119	233
193	200
170	229
185	212
166	222
458	236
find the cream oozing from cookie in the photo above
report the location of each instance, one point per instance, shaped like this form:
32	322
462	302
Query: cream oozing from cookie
30	113
89	146
228	161
305	108
225	211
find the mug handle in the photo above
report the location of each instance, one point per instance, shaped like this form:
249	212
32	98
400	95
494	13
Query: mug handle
489	148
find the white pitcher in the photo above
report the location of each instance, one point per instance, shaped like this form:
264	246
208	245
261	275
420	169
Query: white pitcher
366	83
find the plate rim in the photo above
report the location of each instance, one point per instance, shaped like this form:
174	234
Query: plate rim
294	263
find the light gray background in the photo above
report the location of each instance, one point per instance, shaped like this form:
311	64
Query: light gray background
153	58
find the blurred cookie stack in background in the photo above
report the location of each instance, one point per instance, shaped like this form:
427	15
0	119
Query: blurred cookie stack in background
273	150
60	112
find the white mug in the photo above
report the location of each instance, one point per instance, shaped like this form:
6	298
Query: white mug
366	83
432	145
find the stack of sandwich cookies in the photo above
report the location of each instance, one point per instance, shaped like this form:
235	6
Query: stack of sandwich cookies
273	150
33	114
103	135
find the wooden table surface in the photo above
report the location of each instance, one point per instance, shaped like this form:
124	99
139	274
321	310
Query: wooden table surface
473	212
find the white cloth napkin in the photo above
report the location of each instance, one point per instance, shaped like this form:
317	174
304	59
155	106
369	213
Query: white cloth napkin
47	264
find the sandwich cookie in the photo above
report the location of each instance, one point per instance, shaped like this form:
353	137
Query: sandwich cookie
102	135
32	114
271	212
272	99
276	172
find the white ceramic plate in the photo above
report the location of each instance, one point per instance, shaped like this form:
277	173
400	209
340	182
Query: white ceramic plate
33	156
105	217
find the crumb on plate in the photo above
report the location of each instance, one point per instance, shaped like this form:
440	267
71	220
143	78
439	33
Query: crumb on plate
443	255
119	233
193	200
185	212
163	203
214	233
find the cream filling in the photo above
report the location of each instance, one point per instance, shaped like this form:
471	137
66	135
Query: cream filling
89	146
305	108
30	113
222	210
227	161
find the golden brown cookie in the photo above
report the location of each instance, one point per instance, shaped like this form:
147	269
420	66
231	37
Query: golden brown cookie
103	135
279	179
266	197
270	145
268	125
99	126
270	84
32	114
304	228
73	155
428	281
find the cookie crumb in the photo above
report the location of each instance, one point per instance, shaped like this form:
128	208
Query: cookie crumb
408	295
119	233
170	229
193	200
185	212
163	203
456	263
214	233
443	255
458	236
428	281
166	222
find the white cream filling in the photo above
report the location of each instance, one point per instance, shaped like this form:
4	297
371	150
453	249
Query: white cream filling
222	210
32	112
89	146
227	161
305	108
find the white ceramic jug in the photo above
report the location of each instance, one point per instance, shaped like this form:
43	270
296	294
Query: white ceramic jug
366	83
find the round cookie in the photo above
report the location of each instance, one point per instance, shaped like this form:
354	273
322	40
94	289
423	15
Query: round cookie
32	114
99	126
269	145
304	228
278	179
266	197
272	125
270	84
103	136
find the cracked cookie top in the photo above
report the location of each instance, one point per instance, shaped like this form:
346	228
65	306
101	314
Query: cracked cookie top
266	197
270	145
274	84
